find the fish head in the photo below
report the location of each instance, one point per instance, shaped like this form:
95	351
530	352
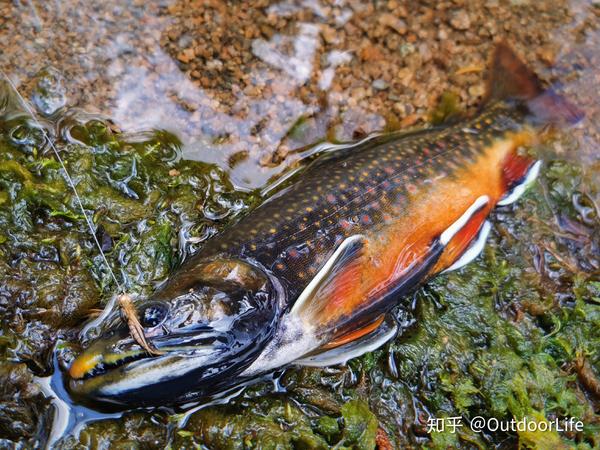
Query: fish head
208	323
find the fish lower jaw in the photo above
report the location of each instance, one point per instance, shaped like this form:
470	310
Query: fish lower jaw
293	340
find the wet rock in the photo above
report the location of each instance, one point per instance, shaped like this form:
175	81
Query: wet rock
477	90
186	55
370	53
49	94
393	22
460	20
407	49
380	84
22	406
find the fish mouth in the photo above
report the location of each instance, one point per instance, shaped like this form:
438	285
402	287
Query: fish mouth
118	349
115	370
92	364
115	365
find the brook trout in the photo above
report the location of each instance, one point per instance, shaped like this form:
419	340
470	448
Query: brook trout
310	277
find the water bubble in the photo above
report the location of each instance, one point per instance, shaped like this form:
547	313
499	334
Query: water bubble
49	94
585	207
27	136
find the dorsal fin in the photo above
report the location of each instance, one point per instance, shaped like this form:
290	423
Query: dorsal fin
510	78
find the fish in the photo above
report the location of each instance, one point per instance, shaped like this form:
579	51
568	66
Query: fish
311	277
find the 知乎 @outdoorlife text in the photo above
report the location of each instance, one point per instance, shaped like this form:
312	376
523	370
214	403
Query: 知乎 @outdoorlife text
480	424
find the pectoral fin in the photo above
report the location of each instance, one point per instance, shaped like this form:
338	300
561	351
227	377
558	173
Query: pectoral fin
345	262
354	334
369	342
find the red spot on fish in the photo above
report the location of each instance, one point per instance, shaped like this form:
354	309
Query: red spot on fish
345	224
365	219
389	170
385	184
426	151
330	198
411	188
294	253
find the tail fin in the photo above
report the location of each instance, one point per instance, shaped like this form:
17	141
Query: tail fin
510	78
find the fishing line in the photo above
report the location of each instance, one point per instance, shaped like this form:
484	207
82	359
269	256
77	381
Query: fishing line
88	220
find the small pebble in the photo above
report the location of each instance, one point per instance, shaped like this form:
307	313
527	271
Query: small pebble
460	20
380	84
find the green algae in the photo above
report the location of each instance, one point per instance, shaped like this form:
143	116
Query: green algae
447	109
497	339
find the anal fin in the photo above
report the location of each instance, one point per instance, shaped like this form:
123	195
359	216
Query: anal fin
341	354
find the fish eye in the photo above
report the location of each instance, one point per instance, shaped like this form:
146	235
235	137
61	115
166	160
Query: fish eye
153	314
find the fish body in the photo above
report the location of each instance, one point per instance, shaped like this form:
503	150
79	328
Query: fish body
310	276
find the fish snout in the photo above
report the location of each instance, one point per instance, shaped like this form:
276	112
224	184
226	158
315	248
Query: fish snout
198	354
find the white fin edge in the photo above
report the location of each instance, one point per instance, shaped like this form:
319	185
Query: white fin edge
325	270
520	189
344	353
451	231
474	249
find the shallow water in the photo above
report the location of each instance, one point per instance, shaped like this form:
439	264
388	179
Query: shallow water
242	92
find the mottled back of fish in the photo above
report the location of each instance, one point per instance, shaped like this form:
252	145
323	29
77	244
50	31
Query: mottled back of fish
311	276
